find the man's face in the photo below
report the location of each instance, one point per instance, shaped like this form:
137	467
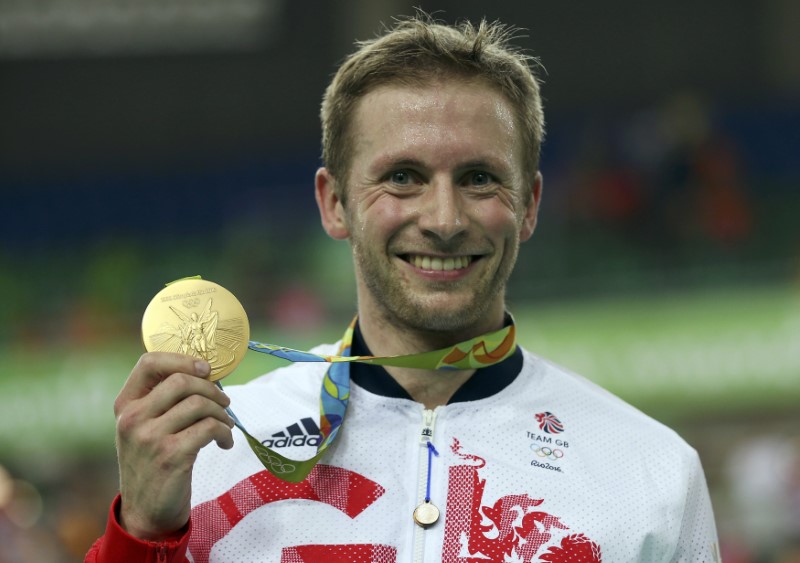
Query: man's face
435	206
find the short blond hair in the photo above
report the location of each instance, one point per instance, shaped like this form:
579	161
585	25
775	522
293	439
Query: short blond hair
418	50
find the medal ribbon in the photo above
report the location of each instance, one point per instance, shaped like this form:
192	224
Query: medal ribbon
479	352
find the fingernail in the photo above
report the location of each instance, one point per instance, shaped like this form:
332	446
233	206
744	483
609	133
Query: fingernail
202	368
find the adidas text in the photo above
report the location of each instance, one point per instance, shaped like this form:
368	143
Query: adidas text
292	441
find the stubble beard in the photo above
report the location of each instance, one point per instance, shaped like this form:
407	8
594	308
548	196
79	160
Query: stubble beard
401	307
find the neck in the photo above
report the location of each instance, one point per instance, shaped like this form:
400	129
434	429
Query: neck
432	388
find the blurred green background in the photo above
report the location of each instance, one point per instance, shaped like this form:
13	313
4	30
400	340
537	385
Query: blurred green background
144	142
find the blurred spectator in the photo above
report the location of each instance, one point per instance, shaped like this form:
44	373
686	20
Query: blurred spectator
54	523
664	182
703	174
764	479
297	309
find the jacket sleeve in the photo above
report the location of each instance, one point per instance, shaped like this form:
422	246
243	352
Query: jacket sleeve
117	546
697	539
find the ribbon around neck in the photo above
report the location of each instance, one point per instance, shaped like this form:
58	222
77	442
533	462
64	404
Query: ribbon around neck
479	352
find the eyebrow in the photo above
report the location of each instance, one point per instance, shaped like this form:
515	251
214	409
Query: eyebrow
491	164
494	165
389	162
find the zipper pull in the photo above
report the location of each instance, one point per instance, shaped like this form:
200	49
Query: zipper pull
426	513
428	420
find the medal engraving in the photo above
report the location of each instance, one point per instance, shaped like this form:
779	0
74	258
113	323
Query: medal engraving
426	514
201	319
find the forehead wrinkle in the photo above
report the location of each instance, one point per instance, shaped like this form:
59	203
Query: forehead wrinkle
416	119
430	146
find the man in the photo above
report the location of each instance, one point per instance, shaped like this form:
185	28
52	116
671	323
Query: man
431	140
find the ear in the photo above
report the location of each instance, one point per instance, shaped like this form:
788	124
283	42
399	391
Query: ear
331	211
532	209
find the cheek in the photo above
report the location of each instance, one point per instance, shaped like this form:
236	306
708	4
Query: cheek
384	215
499	220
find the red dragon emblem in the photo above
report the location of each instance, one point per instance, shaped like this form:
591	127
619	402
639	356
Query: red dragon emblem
512	529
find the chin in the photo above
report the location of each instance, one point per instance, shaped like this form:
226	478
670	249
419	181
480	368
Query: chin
452	318
426	309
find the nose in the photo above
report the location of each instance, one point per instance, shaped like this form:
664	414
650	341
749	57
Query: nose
442	211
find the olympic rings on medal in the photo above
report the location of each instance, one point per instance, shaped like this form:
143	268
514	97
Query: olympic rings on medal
550	453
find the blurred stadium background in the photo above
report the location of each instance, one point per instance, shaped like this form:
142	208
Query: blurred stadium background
145	141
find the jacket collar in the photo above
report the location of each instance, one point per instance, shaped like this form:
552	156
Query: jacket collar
484	383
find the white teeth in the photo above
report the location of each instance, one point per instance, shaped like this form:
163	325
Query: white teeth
440	264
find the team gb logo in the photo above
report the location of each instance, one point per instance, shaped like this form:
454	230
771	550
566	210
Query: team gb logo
549	423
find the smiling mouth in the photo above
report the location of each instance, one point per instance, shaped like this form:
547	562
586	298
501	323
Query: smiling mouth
437	263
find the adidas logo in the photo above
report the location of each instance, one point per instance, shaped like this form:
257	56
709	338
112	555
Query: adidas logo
295	436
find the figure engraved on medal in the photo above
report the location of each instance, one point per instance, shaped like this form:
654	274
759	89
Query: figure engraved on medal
218	332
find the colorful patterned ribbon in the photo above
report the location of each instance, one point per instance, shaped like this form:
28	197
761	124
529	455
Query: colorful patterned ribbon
478	352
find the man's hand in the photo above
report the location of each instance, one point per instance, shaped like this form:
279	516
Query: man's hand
166	412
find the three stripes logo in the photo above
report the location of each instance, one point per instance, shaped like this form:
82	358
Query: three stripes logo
303	433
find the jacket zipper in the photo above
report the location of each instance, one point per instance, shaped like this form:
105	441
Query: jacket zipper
425	436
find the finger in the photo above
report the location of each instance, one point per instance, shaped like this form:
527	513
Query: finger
179	387
195	437
153	368
161	439
190	411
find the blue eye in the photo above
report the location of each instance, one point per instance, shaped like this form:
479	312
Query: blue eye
401	177
480	179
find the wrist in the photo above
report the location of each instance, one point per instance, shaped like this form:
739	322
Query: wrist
134	527
119	546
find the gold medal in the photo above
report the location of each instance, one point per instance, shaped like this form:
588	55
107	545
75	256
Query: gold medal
199	318
426	514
